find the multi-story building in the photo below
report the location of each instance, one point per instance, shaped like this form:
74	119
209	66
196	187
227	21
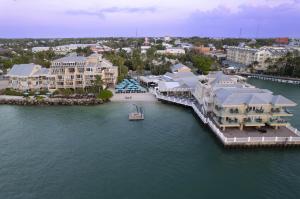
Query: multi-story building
230	102
67	72
80	72
261	58
30	77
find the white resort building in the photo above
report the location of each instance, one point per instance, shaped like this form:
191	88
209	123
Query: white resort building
230	102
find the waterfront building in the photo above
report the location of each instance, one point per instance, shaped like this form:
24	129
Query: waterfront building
179	84
260	58
230	102
80	72
30	77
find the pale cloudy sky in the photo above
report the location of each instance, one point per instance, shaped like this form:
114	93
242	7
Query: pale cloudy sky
89	18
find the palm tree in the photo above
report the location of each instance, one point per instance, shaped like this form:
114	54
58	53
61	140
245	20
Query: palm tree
98	83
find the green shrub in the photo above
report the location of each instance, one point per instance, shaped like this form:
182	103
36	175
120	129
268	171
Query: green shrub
65	92
39	98
105	95
11	92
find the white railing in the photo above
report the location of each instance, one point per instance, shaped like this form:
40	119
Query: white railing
200	115
294	130
262	140
217	131
174	100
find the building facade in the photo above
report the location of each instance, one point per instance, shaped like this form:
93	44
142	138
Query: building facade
67	72
80	72
25	77
260	58
230	102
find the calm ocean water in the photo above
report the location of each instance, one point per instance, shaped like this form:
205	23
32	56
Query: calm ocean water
95	152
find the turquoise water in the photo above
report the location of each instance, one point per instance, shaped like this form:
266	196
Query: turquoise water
95	152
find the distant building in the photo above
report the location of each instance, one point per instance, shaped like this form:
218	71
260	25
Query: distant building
167	38
282	41
171	51
40	49
295	42
63	49
101	48
146	41
144	49
258	57
180	68
201	49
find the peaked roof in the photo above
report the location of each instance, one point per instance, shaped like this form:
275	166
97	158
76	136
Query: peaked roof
42	72
71	58
177	67
250	97
279	100
21	70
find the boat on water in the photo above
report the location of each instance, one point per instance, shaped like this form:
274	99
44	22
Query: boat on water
137	115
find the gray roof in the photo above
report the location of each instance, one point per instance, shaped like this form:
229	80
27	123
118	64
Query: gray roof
250	96
176	67
280	100
187	78
172	85
21	70
42	72
71	59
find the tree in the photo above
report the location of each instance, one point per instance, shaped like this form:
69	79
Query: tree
137	61
97	85
105	95
202	63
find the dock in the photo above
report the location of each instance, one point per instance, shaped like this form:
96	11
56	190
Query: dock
287	80
137	115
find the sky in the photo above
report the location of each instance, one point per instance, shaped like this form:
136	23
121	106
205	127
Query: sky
105	18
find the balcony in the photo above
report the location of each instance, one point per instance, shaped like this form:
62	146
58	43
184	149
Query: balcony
277	122
227	112
250	111
280	112
255	122
227	122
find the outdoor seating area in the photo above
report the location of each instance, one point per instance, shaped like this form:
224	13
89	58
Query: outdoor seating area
129	86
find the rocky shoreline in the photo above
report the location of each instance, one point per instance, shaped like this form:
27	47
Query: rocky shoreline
31	101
